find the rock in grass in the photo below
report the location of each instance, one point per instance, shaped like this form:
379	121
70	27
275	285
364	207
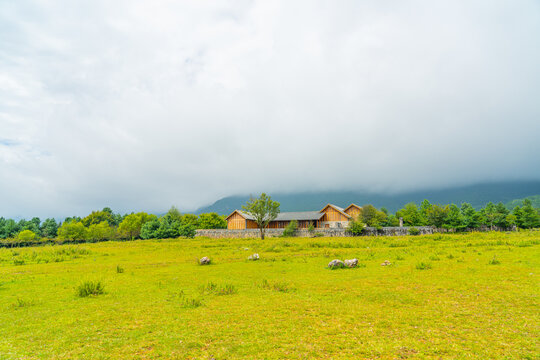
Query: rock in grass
336	264
386	263
253	257
205	261
351	263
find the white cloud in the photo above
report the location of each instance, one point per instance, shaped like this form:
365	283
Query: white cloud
140	105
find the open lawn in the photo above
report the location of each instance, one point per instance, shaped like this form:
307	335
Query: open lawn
472	296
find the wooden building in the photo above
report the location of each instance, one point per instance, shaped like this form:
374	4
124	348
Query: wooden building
331	216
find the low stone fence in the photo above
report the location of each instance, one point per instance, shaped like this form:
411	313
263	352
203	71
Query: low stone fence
332	232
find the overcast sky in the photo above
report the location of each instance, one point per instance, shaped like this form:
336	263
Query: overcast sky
140	105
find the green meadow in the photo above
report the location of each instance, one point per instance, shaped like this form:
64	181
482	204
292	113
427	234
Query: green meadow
467	296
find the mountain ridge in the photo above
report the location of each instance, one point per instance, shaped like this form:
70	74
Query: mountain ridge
477	195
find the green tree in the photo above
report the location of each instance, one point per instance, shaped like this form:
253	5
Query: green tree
425	206
100	232
501	216
132	224
263	210
49	228
436	215
529	217
490	214
372	217
27	235
10	229
411	215
471	218
32	225
187	230
190	219
519	217
212	221
73	230
454	218
150	229
96	217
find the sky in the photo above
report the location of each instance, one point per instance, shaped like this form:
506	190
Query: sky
140	105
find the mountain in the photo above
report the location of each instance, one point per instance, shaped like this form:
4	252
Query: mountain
535	200
477	195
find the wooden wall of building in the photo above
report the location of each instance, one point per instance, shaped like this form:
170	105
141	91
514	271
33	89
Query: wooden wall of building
331	214
236	221
251	224
353	211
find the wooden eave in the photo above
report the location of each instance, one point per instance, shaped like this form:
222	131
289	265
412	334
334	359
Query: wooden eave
236	211
353	205
335	208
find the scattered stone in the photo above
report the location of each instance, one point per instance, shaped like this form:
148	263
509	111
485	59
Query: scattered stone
205	261
351	263
386	263
253	257
336	264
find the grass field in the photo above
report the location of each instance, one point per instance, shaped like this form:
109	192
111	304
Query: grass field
473	296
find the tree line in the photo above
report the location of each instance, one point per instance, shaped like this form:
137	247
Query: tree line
106	225
452	216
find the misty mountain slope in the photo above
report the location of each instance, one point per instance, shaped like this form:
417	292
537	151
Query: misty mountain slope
477	195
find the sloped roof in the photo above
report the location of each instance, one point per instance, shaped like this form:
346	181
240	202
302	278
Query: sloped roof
350	206
243	214
299	215
286	216
340	209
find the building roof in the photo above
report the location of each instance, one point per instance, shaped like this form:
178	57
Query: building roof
299	215
353	205
340	209
286	216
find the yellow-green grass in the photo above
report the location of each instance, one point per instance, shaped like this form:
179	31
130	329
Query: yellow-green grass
287	305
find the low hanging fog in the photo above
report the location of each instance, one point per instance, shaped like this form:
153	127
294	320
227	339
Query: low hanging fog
140	105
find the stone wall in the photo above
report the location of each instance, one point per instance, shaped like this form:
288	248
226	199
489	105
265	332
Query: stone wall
329	232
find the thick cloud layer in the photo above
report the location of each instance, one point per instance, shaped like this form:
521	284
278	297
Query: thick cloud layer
139	105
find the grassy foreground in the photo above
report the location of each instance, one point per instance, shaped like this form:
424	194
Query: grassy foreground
473	296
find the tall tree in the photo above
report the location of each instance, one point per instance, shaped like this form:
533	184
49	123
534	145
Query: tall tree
436	215
471	218
373	217
49	228
454	218
263	210
529	216
411	215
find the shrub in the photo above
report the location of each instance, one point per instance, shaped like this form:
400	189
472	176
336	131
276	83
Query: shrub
434	258
277	286
291	228
414	231
190	303
187	230
89	288
18	262
22	303
27	235
423	266
494	261
227	289
311	228
210	287
119	269
356	227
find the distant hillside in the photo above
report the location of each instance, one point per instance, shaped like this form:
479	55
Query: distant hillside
477	195
535	199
